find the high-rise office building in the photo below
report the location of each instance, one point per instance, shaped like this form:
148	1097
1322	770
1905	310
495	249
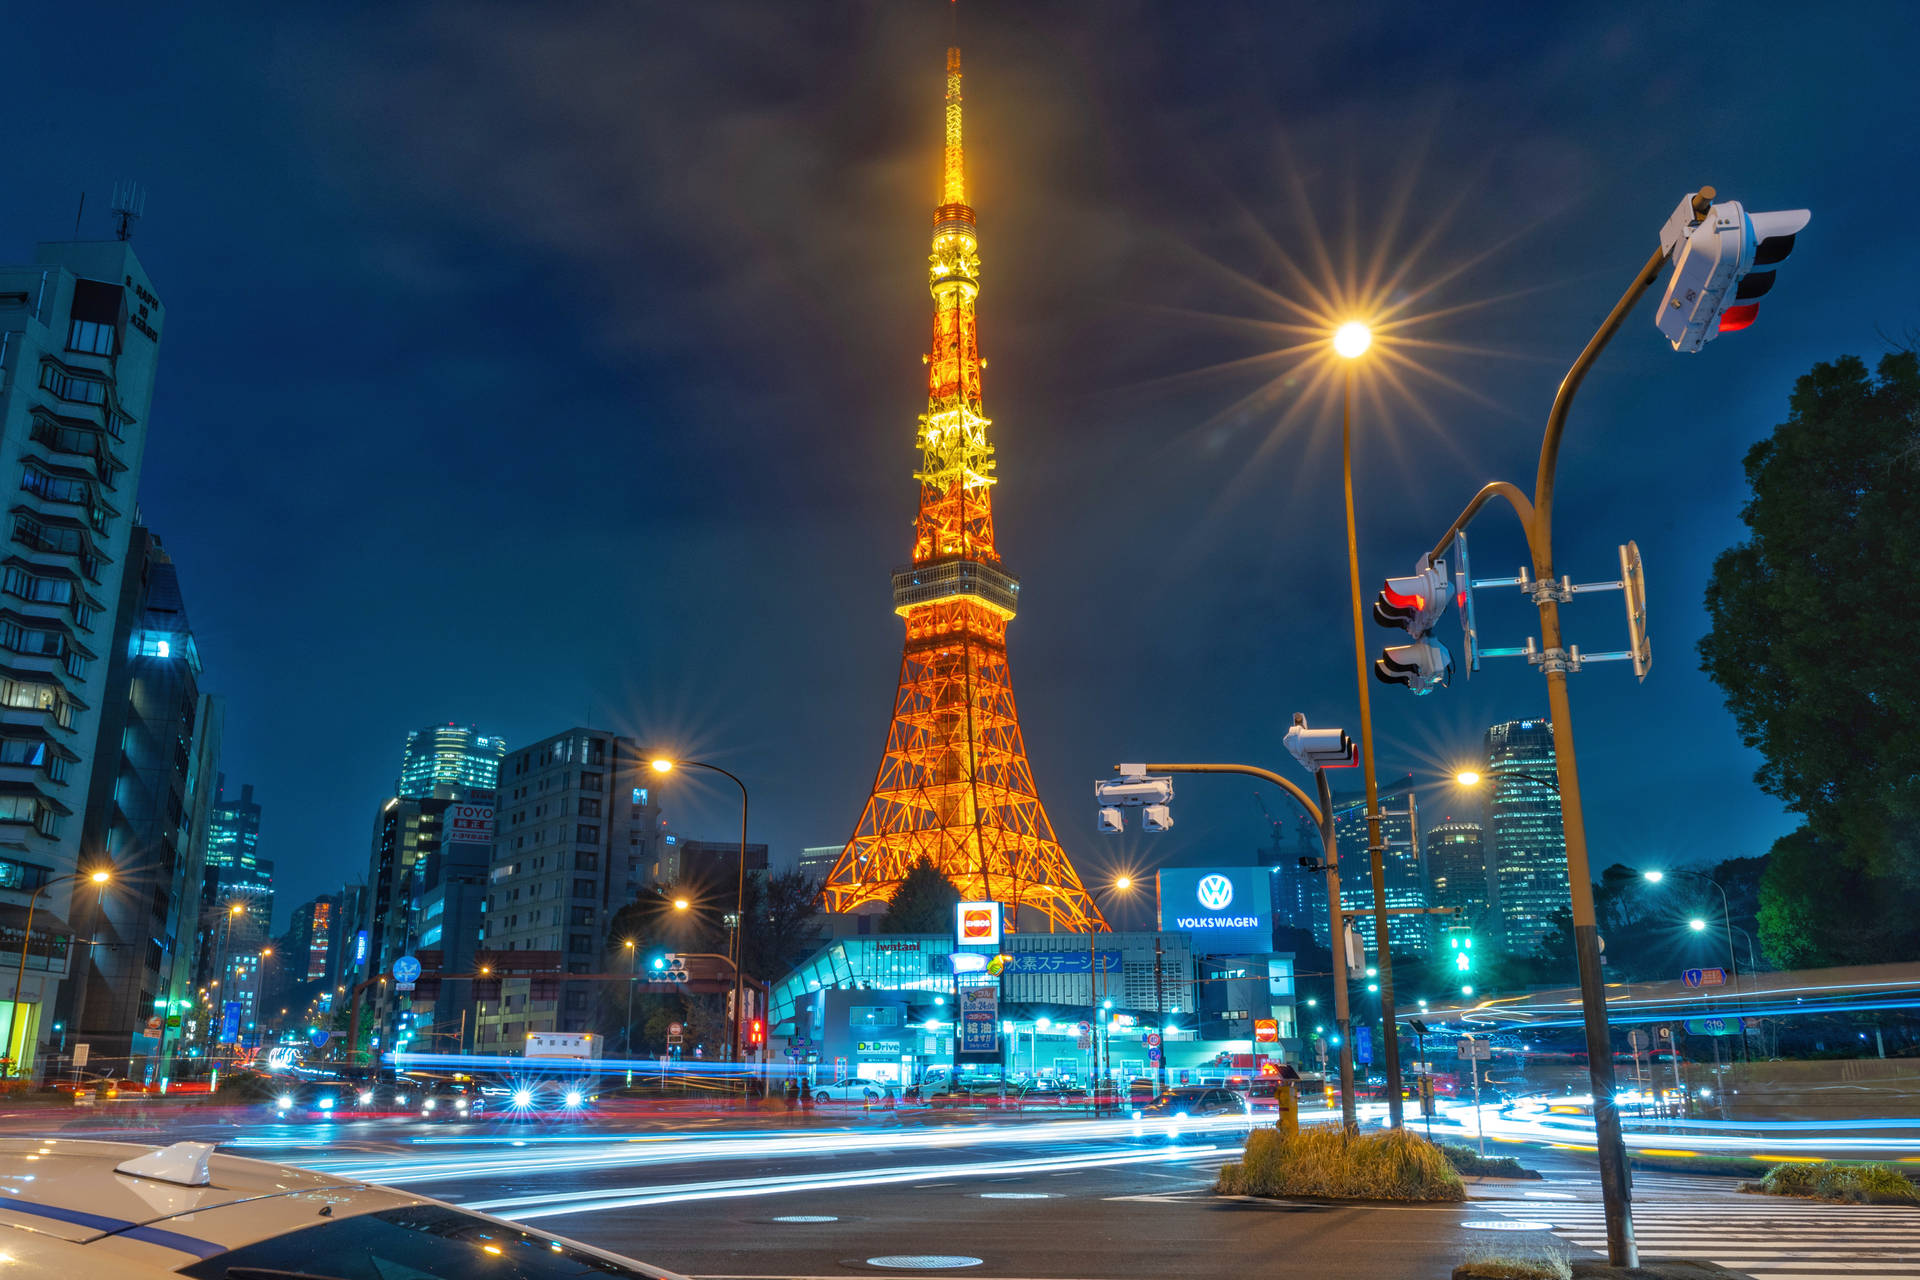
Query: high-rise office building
1406	871
709	866
817	860
1457	866
1526	845
576	840
1299	896
445	756
236	913
79	345
147	814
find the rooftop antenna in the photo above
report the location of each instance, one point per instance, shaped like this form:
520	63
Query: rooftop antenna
129	202
76	215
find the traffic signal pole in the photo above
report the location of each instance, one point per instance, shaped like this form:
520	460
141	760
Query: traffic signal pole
1322	815
1536	518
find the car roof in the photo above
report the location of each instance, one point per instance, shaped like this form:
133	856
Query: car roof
68	1188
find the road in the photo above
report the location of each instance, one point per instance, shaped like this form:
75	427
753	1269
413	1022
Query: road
1037	1198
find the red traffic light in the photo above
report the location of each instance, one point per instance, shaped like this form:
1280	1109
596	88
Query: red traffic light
1734	319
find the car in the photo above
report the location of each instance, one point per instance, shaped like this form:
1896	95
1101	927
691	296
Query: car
872	1093
1193	1101
129	1211
452	1102
312	1100
530	1099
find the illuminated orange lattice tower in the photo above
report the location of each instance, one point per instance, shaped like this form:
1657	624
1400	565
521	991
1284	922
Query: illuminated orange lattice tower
954	785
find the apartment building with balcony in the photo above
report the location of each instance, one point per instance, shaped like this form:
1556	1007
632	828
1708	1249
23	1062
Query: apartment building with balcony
80	334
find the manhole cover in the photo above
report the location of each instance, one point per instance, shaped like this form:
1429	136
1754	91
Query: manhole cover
807	1217
1013	1195
923	1261
1504	1224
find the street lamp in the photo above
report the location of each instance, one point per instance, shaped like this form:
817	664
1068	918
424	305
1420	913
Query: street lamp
1697	925
663	764
99	879
1350	342
679	904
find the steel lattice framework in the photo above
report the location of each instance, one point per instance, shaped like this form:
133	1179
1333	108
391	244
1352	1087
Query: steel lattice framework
954	785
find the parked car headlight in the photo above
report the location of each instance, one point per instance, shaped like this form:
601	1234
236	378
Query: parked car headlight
523	1097
286	1100
573	1098
366	1099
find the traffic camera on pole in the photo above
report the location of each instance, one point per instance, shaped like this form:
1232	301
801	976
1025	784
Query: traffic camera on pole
1318	749
1723	262
1415	604
1134	789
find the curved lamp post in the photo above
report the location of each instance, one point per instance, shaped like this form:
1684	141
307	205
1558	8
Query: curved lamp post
665	764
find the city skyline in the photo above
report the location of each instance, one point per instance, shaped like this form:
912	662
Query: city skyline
1080	425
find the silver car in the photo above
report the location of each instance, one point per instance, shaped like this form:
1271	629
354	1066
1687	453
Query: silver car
81	1210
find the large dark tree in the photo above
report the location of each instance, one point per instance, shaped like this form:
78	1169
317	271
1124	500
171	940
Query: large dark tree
924	902
1811	619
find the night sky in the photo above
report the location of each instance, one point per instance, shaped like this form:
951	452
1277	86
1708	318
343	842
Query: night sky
531	365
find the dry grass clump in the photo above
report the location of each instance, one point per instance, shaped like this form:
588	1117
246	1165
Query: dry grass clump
1510	1261
1326	1161
1826	1180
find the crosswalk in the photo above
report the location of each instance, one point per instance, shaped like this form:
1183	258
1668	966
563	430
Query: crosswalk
1766	1236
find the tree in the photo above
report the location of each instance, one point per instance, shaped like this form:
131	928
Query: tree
1810	619
924	902
784	924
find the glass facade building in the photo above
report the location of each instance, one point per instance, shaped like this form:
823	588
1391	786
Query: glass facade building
1526	845
1405	863
1457	863
449	755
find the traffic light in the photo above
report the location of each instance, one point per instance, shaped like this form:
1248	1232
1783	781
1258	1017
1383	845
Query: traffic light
1723	264
1134	788
1415	604
1460	948
756	1032
1318	749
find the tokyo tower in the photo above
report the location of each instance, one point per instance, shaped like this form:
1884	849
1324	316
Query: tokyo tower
954	785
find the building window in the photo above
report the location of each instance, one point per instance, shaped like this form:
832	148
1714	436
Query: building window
579	944
585	889
56	488
37	697
586	862
589	782
583	915
640	795
91	337
587	833
589	807
65	386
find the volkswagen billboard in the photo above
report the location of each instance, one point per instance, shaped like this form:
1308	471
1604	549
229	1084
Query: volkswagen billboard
1228	910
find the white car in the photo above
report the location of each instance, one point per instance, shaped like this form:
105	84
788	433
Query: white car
87	1210
869	1092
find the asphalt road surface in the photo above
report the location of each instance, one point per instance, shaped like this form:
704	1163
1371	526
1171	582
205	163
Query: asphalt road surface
1033	1198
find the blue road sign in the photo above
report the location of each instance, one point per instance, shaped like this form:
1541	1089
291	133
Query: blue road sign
406	969
1363	1044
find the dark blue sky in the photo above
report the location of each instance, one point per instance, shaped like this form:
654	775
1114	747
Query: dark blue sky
527	365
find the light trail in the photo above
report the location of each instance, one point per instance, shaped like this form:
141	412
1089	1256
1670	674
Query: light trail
1802	1139
559	1204
618	1151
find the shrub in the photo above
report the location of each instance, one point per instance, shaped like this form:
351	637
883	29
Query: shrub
1470	1162
1326	1161
1826	1180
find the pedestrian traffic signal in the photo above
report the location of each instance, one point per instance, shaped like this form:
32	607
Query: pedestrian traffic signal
756	1032
1460	948
1723	263
1318	749
1415	604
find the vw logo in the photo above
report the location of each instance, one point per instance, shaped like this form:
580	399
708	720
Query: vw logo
1215	893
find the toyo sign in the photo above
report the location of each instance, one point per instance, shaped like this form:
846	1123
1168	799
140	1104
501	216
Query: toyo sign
1228	910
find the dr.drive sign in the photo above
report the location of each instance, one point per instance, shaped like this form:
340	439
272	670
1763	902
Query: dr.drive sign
1226	909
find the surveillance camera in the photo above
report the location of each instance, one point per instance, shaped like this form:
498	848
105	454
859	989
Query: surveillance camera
1111	821
1156	817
